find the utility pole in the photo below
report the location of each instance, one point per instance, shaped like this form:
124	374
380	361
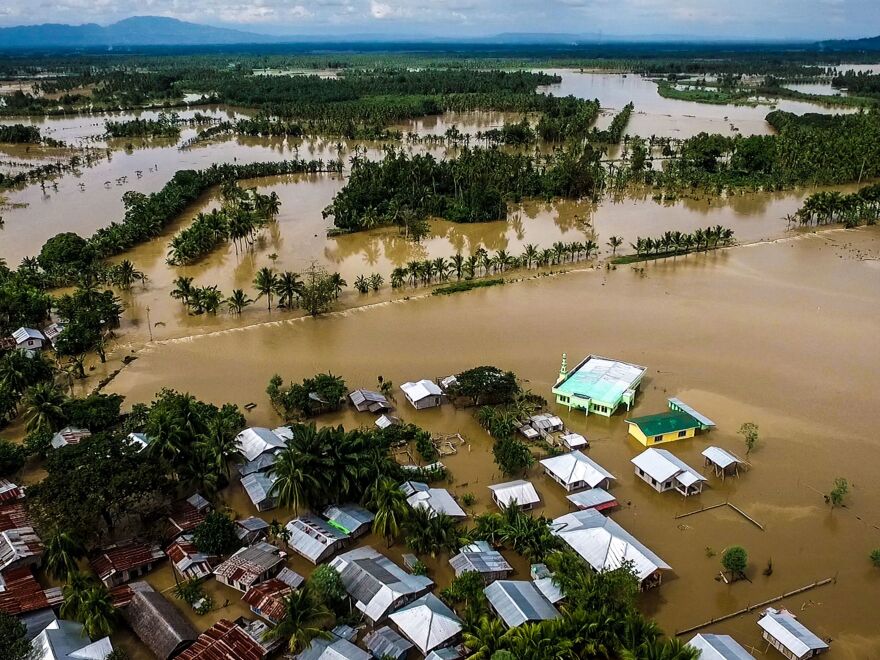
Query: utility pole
149	325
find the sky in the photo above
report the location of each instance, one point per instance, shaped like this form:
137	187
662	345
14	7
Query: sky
762	19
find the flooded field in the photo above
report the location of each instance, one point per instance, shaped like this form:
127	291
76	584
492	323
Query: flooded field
778	334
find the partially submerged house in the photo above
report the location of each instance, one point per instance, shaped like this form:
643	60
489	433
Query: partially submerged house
790	637
20	593
574	441
157	622
664	471
541	426
575	471
69	435
519	492
594	498
352	519
480	557
249	566
723	462
436	500
598	385
336	648
19	547
140	441
369	401
251	529
663	427
258	446
258	487
123	562
188	514
188	562
543	580
385	643
518	602
606	546
225	640
267	599
376	584
423	394
428	623
719	647
66	640
28	339
384	421
52	331
314	538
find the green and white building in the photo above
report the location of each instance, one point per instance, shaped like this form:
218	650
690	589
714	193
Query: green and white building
598	385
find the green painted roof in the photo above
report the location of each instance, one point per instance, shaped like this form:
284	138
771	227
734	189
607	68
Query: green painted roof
663	423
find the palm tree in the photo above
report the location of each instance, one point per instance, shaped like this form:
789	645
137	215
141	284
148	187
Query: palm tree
265	283
42	407
293	479
667	649
398	277
430	533
97	613
289	287
615	242
304	614
125	274
530	255
389	503
183	289
74	594
238	301
338	284
457	262
62	553
485	639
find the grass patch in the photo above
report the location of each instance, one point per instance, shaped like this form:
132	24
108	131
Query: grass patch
466	285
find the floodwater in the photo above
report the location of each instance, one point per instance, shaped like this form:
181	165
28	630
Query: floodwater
779	334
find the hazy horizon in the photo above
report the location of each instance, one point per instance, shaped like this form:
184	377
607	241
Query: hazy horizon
420	19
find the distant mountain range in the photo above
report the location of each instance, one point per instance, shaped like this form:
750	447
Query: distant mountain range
161	31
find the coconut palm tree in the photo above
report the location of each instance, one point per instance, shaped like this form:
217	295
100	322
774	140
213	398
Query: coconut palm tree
97	613
289	287
124	274
530	255
398	277
266	282
430	533
238	301
389	503
74	594
485	638
42	407
457	263
62	553
183	289
304	615
615	242
293	479
338	284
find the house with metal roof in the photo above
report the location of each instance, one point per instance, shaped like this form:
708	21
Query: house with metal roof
722	461
541	426
254	441
52	331
251	529
449	653
122	562
663	427
436	500
28	339
186	559
428	623
575	470
519	492
249	566
376	584
719	647
572	441
140	441
258	487
480	557
335	648
20	546
69	435
352	519
66	640
225	640
188	514
385	421
10	492
157	622
386	643
594	498
518	602
663	471
598	385
542	578
369	401
680	406
423	394
267	599
789	636
606	546
314	538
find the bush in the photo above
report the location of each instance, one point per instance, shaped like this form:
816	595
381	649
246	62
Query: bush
512	456
12	458
216	535
875	557
735	560
328	585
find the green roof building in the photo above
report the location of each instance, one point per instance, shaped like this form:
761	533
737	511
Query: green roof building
598	385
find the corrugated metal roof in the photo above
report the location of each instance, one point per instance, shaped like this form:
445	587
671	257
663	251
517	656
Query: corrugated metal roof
69	435
23	334
427	622
20	592
258	486
720	457
436	500
350	517
313	537
665	422
126	556
449	653
594	498
66	640
479	557
333	649
662	465
719	647
224	641
576	467
518	602
600	379
549	589
681	405
783	626
248	564
256	440
604	544
18	545
520	491
421	389
384	642
268	599
369	401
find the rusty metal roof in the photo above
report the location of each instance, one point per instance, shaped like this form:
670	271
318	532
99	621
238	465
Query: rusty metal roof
224	641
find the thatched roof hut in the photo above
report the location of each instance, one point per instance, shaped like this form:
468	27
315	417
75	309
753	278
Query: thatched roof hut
158	623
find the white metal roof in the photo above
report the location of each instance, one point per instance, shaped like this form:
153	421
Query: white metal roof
65	640
601	379
783	626
421	389
720	457
719	647
520	491
257	440
574	467
427	622
23	334
437	500
384	421
518	602
589	499
681	405
574	440
604	544
661	465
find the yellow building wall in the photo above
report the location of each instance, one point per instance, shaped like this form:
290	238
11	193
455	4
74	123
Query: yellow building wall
636	432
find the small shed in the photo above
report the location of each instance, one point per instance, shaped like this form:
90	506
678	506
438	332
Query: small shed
351	519
53	331
384	421
314	538
722	461
140	441
69	435
385	643
594	498
790	637
428	623
437	500
480	557
543	580
518	602
157	622
519	492
575	470
663	471
423	394
574	441
369	401
719	647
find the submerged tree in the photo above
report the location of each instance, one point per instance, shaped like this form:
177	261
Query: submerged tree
838	493
735	559
749	431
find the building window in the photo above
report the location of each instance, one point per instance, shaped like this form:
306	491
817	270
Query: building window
682	434
658	438
668	484
653	481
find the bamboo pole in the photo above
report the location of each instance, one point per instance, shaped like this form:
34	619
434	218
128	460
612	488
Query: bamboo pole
700	510
715	506
750	608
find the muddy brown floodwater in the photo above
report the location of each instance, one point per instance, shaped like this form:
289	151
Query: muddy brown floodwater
782	334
